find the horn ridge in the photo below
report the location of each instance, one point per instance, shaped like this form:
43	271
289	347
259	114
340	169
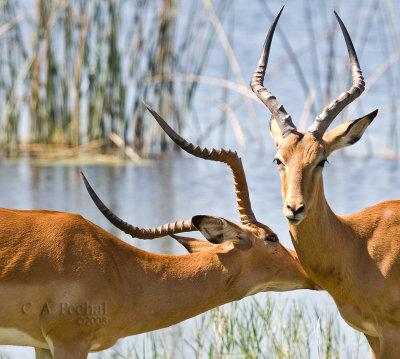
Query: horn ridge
142	233
329	113
277	110
226	156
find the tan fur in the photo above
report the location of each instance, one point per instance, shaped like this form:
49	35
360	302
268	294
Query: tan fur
356	258
54	265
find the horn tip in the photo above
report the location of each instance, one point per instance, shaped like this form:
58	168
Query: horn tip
338	17
147	105
373	114
83	176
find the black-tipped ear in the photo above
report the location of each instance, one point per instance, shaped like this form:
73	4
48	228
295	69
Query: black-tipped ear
196	220
347	133
212	228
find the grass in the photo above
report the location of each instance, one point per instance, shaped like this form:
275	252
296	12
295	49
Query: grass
256	327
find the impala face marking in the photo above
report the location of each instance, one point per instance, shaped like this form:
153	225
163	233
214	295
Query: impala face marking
300	159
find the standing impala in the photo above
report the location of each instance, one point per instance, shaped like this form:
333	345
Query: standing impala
68	287
356	258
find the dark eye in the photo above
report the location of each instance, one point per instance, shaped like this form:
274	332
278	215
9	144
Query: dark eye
322	163
278	162
272	238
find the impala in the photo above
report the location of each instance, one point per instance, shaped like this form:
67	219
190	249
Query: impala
69	287
354	257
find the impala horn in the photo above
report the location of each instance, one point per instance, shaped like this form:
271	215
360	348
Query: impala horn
277	110
329	113
229	157
142	233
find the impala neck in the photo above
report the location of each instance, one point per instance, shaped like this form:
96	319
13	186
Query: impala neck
184	286
318	234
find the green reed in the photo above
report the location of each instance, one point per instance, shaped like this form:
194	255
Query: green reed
257	327
75	71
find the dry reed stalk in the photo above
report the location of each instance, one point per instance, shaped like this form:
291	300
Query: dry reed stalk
236	69
127	150
235	125
306	110
77	78
371	81
213	81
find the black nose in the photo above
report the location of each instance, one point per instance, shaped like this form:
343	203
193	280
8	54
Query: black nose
296	211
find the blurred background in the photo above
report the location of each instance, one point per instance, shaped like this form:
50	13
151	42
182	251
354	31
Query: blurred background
72	78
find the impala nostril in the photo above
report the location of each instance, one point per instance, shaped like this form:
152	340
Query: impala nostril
294	210
290	208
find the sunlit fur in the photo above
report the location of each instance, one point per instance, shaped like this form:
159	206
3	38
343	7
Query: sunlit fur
54	259
300	174
356	257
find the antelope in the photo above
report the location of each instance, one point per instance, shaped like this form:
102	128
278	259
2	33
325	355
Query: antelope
70	288
354	257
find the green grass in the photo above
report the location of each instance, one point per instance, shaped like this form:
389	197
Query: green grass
257	327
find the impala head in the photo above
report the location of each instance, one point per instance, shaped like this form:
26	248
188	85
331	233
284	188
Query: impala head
266	262
301	156
262	261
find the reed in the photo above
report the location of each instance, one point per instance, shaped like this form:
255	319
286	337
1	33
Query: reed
89	65
74	72
263	326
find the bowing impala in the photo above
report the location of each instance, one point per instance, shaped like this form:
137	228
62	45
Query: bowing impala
356	257
69	287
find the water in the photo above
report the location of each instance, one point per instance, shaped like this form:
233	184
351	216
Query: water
180	187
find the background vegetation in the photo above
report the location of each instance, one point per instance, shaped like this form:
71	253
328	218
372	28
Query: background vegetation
257	327
73	72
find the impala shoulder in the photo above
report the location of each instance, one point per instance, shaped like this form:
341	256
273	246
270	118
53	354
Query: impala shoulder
390	209
381	212
385	213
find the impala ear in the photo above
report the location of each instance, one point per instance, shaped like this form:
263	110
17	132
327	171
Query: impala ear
192	244
275	131
347	133
218	230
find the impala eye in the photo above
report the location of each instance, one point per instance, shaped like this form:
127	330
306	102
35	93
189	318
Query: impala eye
322	163
272	238
278	162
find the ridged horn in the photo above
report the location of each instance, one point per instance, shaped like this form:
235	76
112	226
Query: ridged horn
322	121
229	157
257	85
142	233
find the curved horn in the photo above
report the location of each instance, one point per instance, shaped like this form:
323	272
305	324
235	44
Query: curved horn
226	156
256	83
142	233
329	113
